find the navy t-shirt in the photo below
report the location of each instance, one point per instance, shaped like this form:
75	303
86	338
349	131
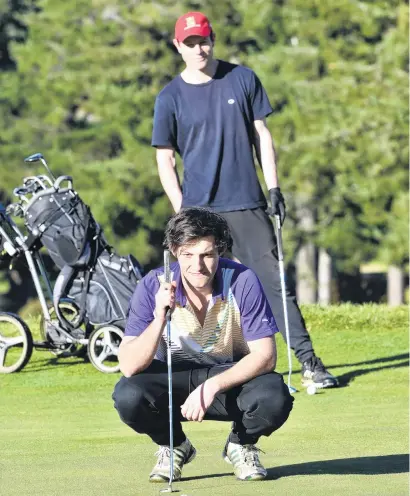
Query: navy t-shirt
210	125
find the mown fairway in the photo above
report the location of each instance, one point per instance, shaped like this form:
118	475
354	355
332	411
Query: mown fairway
61	436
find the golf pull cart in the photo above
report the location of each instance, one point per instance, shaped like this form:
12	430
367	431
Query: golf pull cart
85	312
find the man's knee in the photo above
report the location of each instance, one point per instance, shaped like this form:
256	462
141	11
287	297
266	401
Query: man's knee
276	400
128	399
267	399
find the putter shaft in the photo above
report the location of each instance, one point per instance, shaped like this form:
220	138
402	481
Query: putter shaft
167	277
284	302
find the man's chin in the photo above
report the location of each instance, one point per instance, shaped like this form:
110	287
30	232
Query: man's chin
199	282
200	66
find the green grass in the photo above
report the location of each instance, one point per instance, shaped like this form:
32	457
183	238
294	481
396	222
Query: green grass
61	436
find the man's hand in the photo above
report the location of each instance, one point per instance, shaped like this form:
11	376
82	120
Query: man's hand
164	299
277	204
198	402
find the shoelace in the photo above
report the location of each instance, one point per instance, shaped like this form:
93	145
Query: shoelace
251	454
163	453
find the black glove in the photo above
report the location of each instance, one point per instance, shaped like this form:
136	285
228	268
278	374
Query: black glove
277	204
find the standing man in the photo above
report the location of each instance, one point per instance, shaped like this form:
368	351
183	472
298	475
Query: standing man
223	351
214	115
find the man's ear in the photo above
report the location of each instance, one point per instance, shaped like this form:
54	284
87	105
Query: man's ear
176	44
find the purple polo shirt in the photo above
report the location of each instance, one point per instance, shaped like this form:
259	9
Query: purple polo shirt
237	313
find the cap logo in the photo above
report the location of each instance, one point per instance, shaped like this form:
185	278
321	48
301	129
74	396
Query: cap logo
191	23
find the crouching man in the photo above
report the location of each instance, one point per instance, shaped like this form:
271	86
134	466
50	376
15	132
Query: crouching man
223	351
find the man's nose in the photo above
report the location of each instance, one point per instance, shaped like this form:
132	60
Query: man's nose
198	263
197	49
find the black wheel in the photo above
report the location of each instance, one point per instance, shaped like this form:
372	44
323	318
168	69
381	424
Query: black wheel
16	343
70	312
103	346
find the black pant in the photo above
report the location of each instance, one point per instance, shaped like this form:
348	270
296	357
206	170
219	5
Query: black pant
254	244
257	408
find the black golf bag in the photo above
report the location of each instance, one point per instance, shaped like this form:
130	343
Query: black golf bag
99	281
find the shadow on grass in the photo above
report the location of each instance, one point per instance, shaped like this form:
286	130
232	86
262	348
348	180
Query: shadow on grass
345	379
394	358
402	356
52	363
367	465
206	476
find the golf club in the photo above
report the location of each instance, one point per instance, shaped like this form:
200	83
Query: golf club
39	157
278	230
167	274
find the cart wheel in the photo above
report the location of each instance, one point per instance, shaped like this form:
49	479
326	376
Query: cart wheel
16	343
70	312
103	346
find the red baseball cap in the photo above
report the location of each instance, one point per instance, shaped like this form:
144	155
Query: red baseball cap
192	24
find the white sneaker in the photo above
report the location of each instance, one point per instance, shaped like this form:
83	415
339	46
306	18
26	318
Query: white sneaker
245	461
184	453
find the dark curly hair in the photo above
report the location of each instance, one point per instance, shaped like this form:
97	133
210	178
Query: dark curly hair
193	223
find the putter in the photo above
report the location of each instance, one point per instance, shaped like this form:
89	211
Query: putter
278	229
167	274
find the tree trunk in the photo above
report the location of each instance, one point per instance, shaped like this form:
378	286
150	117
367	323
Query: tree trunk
395	286
306	262
324	274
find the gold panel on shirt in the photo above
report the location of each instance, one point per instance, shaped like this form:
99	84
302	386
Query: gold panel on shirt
219	340
221	335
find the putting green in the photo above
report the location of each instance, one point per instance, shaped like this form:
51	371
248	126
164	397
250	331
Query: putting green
61	436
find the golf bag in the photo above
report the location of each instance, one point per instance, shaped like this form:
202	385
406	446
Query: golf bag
99	281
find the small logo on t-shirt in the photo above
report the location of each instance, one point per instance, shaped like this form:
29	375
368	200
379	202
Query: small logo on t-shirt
231	101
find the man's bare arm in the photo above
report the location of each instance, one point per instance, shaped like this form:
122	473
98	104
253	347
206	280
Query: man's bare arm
260	360
136	353
265	153
169	177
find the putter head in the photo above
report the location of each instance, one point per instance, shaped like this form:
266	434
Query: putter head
292	390
169	490
34	158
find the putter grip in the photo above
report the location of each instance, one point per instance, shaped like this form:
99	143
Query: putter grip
167	269
278	232
167	275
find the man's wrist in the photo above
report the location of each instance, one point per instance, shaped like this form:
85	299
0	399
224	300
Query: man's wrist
159	317
214	384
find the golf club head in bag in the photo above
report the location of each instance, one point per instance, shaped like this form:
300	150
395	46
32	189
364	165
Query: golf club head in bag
38	157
